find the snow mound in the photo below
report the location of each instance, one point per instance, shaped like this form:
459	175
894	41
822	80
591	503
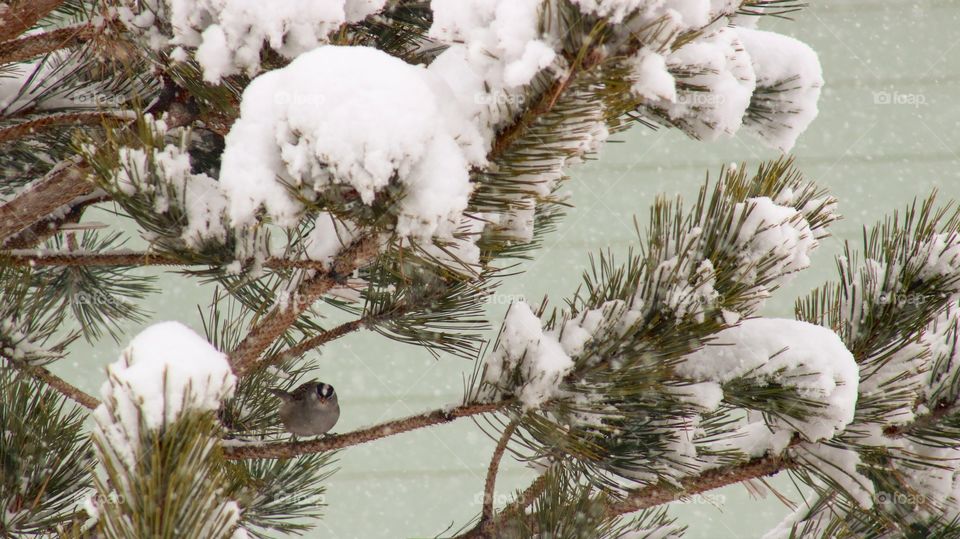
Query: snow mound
346	116
501	35
808	358
166	370
791	69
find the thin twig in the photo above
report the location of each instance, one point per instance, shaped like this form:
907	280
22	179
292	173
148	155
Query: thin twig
284	450
483	529
654	495
487	512
527	497
62	386
271	326
311	343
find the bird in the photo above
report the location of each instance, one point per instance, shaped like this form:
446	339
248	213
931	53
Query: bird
310	410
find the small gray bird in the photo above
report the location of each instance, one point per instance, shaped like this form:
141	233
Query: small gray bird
309	410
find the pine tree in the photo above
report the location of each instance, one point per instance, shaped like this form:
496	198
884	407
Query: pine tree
391	160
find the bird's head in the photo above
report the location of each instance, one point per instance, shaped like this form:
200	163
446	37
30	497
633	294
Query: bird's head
325	392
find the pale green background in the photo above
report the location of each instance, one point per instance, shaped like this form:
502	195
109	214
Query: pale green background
874	156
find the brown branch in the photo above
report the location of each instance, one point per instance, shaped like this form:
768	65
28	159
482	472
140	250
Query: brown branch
21	16
25	48
528	495
30	127
271	326
283	450
41	230
58	188
62	386
488	527
488	487
655	495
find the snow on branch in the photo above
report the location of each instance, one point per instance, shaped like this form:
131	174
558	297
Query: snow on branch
229	37
895	307
609	383
153	173
524	349
166	371
727	78
354	117
789	79
810	360
157	427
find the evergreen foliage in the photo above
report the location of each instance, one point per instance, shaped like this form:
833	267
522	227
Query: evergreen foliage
619	393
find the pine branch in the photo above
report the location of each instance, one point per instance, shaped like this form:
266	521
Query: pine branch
62	386
648	497
25	48
21	16
655	495
45	458
283	450
488	487
275	323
